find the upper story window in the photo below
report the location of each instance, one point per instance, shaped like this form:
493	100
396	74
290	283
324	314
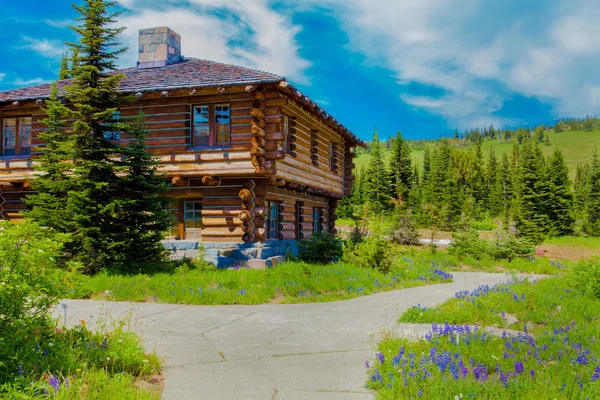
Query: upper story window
16	136
211	125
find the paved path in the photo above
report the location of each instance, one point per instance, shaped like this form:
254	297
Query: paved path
268	352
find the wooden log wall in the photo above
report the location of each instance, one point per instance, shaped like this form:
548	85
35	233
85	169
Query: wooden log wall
254	210
309	162
349	166
296	212
12	203
221	206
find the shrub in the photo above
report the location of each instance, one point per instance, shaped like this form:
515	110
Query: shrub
30	285
405	229
469	244
585	276
374	253
486	224
320	248
510	247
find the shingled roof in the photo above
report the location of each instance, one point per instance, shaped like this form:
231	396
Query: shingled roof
189	73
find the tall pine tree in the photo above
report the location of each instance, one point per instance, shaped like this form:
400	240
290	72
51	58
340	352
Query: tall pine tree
592	214
376	186
560	200
400	167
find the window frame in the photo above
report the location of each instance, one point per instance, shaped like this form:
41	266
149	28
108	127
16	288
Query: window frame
212	125
317	214
197	218
18	148
272	234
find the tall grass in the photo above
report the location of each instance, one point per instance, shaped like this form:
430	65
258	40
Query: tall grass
289	283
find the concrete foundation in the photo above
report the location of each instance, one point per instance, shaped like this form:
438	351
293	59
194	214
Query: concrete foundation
226	255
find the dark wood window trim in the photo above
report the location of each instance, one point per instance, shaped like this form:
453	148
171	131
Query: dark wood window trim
272	220
317	214
20	142
213	138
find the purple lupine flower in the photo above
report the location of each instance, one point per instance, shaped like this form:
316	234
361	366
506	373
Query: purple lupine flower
519	367
380	357
532	373
367	364
54	382
20	369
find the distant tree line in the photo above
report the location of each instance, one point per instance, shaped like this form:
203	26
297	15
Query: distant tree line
532	194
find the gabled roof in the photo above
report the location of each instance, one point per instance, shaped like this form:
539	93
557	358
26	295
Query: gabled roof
189	73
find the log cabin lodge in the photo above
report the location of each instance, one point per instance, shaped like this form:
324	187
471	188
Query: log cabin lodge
254	163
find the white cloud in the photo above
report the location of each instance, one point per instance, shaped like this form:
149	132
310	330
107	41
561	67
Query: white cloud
2	76
28	82
248	33
62	23
477	56
45	47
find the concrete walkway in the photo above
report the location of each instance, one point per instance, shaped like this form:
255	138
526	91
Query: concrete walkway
267	352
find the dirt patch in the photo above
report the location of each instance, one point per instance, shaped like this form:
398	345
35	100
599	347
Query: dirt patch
153	384
568	253
278	299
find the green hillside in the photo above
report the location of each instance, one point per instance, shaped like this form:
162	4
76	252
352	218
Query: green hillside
577	146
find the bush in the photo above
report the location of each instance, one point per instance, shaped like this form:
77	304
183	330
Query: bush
468	244
585	276
373	252
405	229
30	285
320	248
510	247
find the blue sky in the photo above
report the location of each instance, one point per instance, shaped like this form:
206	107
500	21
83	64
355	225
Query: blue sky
424	67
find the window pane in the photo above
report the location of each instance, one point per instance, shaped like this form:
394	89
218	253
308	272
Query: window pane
9	131
201	125
222	123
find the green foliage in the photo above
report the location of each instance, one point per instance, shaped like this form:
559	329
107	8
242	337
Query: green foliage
505	247
372	253
585	276
401	171
404	230
560	320
559	200
320	248
376	186
469	244
591	224
30	285
292	282
114	208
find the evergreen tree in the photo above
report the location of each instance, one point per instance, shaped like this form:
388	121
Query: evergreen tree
581	190
145	214
64	72
98	203
592	215
494	185
376	190
400	167
547	140
560	202
426	166
477	180
54	182
506	184
530	215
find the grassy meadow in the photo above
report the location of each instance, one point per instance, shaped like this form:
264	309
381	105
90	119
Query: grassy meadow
577	147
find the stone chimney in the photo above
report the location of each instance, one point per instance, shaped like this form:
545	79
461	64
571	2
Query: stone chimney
158	47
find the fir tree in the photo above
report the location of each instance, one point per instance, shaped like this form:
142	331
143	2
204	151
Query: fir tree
54	182
592	215
580	190
547	140
530	214
494	185
376	189
477	179
506	185
145	214
65	72
400	167
560	202
426	166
